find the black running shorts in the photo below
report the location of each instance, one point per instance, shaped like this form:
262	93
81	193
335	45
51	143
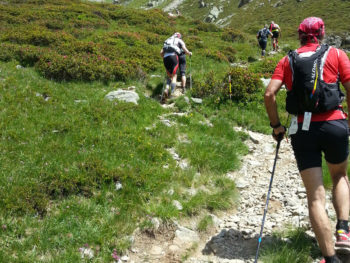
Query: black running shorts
275	34
171	64
182	64
329	137
263	44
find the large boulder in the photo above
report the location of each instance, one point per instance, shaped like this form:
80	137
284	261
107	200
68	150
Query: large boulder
213	15
123	95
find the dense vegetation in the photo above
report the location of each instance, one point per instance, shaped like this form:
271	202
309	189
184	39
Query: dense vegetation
64	148
251	17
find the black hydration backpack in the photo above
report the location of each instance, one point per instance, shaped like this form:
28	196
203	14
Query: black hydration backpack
309	92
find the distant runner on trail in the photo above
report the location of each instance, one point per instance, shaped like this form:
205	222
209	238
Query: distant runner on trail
312	74
262	36
276	32
172	49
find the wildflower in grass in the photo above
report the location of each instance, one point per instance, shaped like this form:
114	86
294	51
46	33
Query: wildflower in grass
4	227
115	255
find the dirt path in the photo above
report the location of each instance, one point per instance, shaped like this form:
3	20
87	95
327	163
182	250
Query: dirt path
235	233
234	237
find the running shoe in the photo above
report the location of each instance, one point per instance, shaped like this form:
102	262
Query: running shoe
342	243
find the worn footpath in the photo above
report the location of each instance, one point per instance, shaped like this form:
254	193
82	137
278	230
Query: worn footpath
234	237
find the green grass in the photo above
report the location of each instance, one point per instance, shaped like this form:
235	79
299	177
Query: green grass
62	156
291	246
64	147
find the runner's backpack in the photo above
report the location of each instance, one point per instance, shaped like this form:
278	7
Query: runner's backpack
170	45
309	91
263	34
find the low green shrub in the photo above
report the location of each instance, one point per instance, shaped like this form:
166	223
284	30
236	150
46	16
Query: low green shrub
194	42
265	66
206	27
230	53
232	35
7	51
215	54
86	67
36	36
210	85
244	86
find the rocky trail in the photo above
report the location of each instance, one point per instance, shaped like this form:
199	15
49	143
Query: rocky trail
234	236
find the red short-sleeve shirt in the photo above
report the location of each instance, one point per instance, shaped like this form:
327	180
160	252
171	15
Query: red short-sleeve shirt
337	64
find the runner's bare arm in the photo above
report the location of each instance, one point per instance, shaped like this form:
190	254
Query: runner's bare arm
271	105
347	89
162	53
186	50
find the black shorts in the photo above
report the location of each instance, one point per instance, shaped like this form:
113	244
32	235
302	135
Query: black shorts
329	137
263	44
171	64
275	34
182	64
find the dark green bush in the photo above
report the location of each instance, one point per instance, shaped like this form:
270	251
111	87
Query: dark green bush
194	42
244	86
232	35
265	66
230	54
206	27
215	54
210	85
36	36
28	55
86	67
7	51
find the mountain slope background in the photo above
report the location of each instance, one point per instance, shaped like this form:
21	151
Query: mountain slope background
80	173
250	16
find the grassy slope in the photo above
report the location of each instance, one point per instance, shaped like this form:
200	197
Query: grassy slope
61	158
254	15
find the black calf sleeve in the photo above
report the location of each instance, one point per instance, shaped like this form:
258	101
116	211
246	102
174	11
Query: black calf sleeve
332	259
342	224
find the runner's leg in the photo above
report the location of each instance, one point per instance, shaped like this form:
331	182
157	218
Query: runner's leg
313	182
341	192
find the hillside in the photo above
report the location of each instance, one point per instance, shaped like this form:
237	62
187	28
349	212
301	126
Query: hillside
83	172
250	16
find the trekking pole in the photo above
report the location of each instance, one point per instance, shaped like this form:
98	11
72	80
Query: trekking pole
267	198
229	85
190	72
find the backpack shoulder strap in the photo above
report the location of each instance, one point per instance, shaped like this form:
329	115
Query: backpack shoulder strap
291	57
325	48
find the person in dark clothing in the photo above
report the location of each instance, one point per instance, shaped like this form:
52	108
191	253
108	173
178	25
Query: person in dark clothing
182	67
170	54
262	36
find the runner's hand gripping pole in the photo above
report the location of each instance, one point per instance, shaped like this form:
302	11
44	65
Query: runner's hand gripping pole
279	139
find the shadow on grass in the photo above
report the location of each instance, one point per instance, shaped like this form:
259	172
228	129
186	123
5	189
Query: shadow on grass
294	246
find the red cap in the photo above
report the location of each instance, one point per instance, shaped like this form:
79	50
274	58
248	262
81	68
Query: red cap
312	27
